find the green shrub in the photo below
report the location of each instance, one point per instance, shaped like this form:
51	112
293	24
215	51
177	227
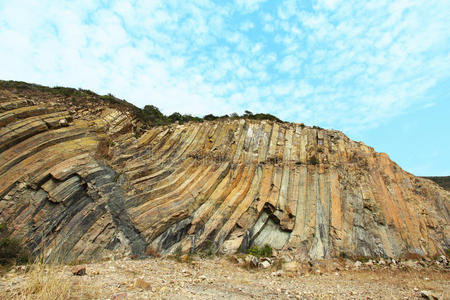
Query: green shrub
264	117
313	160
210	117
152	114
149	115
176	116
210	248
64	91
234	116
11	251
264	251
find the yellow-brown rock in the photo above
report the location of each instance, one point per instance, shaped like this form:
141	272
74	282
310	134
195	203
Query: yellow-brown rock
91	186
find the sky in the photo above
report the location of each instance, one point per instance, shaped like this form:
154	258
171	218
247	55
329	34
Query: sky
377	70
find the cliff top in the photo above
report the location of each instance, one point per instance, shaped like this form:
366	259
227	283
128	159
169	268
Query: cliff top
150	115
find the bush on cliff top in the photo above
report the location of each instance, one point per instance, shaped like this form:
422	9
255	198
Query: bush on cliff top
150	114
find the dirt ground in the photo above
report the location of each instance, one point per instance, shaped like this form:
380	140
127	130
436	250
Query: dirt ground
218	278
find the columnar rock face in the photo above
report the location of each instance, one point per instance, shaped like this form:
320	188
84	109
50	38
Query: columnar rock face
80	183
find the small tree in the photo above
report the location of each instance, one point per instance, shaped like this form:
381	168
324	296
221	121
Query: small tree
210	117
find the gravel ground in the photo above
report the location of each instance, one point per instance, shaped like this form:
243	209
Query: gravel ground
220	278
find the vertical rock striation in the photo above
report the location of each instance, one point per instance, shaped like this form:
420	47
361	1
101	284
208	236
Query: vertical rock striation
83	185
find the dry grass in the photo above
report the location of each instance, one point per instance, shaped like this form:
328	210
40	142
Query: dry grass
48	282
42	282
170	279
103	149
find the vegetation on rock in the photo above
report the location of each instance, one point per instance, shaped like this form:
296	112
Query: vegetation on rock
150	114
11	251
443	181
264	251
82	177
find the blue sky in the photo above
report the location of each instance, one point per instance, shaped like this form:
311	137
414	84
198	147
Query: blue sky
377	70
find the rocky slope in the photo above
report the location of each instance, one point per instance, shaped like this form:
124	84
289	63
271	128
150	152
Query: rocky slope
443	181
85	179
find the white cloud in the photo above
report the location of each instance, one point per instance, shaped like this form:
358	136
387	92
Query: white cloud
247	26
341	64
257	48
249	5
290	64
327	4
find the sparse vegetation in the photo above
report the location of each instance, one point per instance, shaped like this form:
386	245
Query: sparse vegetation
103	149
313	160
48	281
264	251
210	117
45	282
11	251
443	181
208	249
177	117
362	259
150	114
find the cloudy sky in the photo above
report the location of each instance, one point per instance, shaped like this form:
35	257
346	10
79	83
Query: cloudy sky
378	70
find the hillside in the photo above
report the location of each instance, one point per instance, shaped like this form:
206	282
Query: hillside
443	181
84	176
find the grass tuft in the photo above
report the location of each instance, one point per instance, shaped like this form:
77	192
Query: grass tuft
42	282
264	251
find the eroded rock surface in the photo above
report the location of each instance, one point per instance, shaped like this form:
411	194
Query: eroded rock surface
83	181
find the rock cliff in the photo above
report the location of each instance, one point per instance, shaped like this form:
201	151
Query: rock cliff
87	179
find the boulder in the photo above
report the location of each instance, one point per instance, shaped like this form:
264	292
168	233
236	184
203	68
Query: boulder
79	270
264	264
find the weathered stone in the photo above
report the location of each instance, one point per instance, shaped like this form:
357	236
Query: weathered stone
428	295
79	270
63	122
443	260
369	263
92	187
264	264
254	262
